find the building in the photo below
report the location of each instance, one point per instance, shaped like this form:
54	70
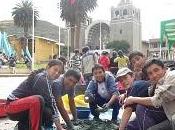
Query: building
157	51
125	24
44	48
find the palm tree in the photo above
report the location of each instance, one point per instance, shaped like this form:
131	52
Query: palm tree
23	15
74	14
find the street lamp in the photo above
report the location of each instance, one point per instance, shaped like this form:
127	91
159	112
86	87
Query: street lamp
33	36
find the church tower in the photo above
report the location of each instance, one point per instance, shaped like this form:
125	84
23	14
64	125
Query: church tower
125	24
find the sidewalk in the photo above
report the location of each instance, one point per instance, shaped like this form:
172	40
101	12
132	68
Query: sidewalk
6	124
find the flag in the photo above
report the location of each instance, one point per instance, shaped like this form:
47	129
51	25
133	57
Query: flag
72	2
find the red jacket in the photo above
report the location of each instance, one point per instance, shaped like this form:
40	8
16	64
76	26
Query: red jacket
104	61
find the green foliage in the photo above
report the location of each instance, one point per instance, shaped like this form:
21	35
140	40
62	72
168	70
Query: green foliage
76	13
23	15
64	50
118	45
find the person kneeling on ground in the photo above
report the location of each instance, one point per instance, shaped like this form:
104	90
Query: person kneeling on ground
133	88
65	85
33	103
102	92
163	81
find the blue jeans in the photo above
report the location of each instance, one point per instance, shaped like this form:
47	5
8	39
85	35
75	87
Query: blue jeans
146	117
100	102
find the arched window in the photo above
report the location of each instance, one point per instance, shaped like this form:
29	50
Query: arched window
125	12
117	13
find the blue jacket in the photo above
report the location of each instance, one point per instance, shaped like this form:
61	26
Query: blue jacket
109	83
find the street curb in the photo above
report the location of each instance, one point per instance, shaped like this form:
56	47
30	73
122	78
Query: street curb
14	75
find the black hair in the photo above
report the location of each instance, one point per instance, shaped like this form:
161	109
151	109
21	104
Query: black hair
135	53
85	49
76	51
114	54
105	53
35	72
63	59
97	66
73	73
151	62
54	62
120	52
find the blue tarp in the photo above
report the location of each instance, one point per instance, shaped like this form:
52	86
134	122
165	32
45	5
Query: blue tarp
5	46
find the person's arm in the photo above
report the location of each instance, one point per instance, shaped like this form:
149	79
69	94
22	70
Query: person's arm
63	112
146	101
58	125
73	108
125	118
112	100
89	92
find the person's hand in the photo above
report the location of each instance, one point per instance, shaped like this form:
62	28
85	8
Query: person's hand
89	98
122	98
105	107
129	101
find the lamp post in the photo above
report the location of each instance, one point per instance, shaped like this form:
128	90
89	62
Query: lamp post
33	36
68	43
100	36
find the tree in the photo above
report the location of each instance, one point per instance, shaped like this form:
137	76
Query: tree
118	45
74	12
23	15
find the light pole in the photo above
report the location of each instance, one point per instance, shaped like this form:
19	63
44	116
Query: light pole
100	36
59	11
33	36
68	43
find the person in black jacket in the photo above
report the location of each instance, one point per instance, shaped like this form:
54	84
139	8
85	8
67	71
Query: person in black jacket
33	103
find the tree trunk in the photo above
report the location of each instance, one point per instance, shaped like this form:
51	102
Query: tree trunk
72	37
26	31
77	37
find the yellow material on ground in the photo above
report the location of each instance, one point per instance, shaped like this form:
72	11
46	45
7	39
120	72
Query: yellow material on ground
79	102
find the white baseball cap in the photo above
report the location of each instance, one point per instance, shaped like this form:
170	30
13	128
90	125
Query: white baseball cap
123	71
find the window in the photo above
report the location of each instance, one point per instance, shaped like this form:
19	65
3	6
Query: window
125	12
120	31
117	13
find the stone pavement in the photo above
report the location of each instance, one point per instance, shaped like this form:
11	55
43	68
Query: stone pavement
6	124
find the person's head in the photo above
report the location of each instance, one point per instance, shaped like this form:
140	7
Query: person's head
105	53
54	69
154	69
125	76
85	49
137	60
76	51
63	59
23	40
71	78
120	53
114	54
55	56
98	72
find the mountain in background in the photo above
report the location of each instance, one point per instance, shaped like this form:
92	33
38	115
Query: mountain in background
42	29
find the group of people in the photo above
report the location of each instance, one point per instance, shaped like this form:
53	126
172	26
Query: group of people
149	92
11	61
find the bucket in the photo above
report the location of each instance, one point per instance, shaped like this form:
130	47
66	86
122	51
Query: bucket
83	112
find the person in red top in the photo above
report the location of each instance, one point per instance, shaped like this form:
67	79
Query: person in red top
104	60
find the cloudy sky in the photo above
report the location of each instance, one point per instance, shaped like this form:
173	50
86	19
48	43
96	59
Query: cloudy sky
152	12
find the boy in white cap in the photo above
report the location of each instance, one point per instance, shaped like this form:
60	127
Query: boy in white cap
135	88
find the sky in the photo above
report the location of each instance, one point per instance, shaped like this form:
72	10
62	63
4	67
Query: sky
152	12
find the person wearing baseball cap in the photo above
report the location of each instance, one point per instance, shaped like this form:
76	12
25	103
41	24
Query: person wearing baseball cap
133	88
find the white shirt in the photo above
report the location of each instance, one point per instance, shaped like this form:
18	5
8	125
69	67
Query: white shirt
102	91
